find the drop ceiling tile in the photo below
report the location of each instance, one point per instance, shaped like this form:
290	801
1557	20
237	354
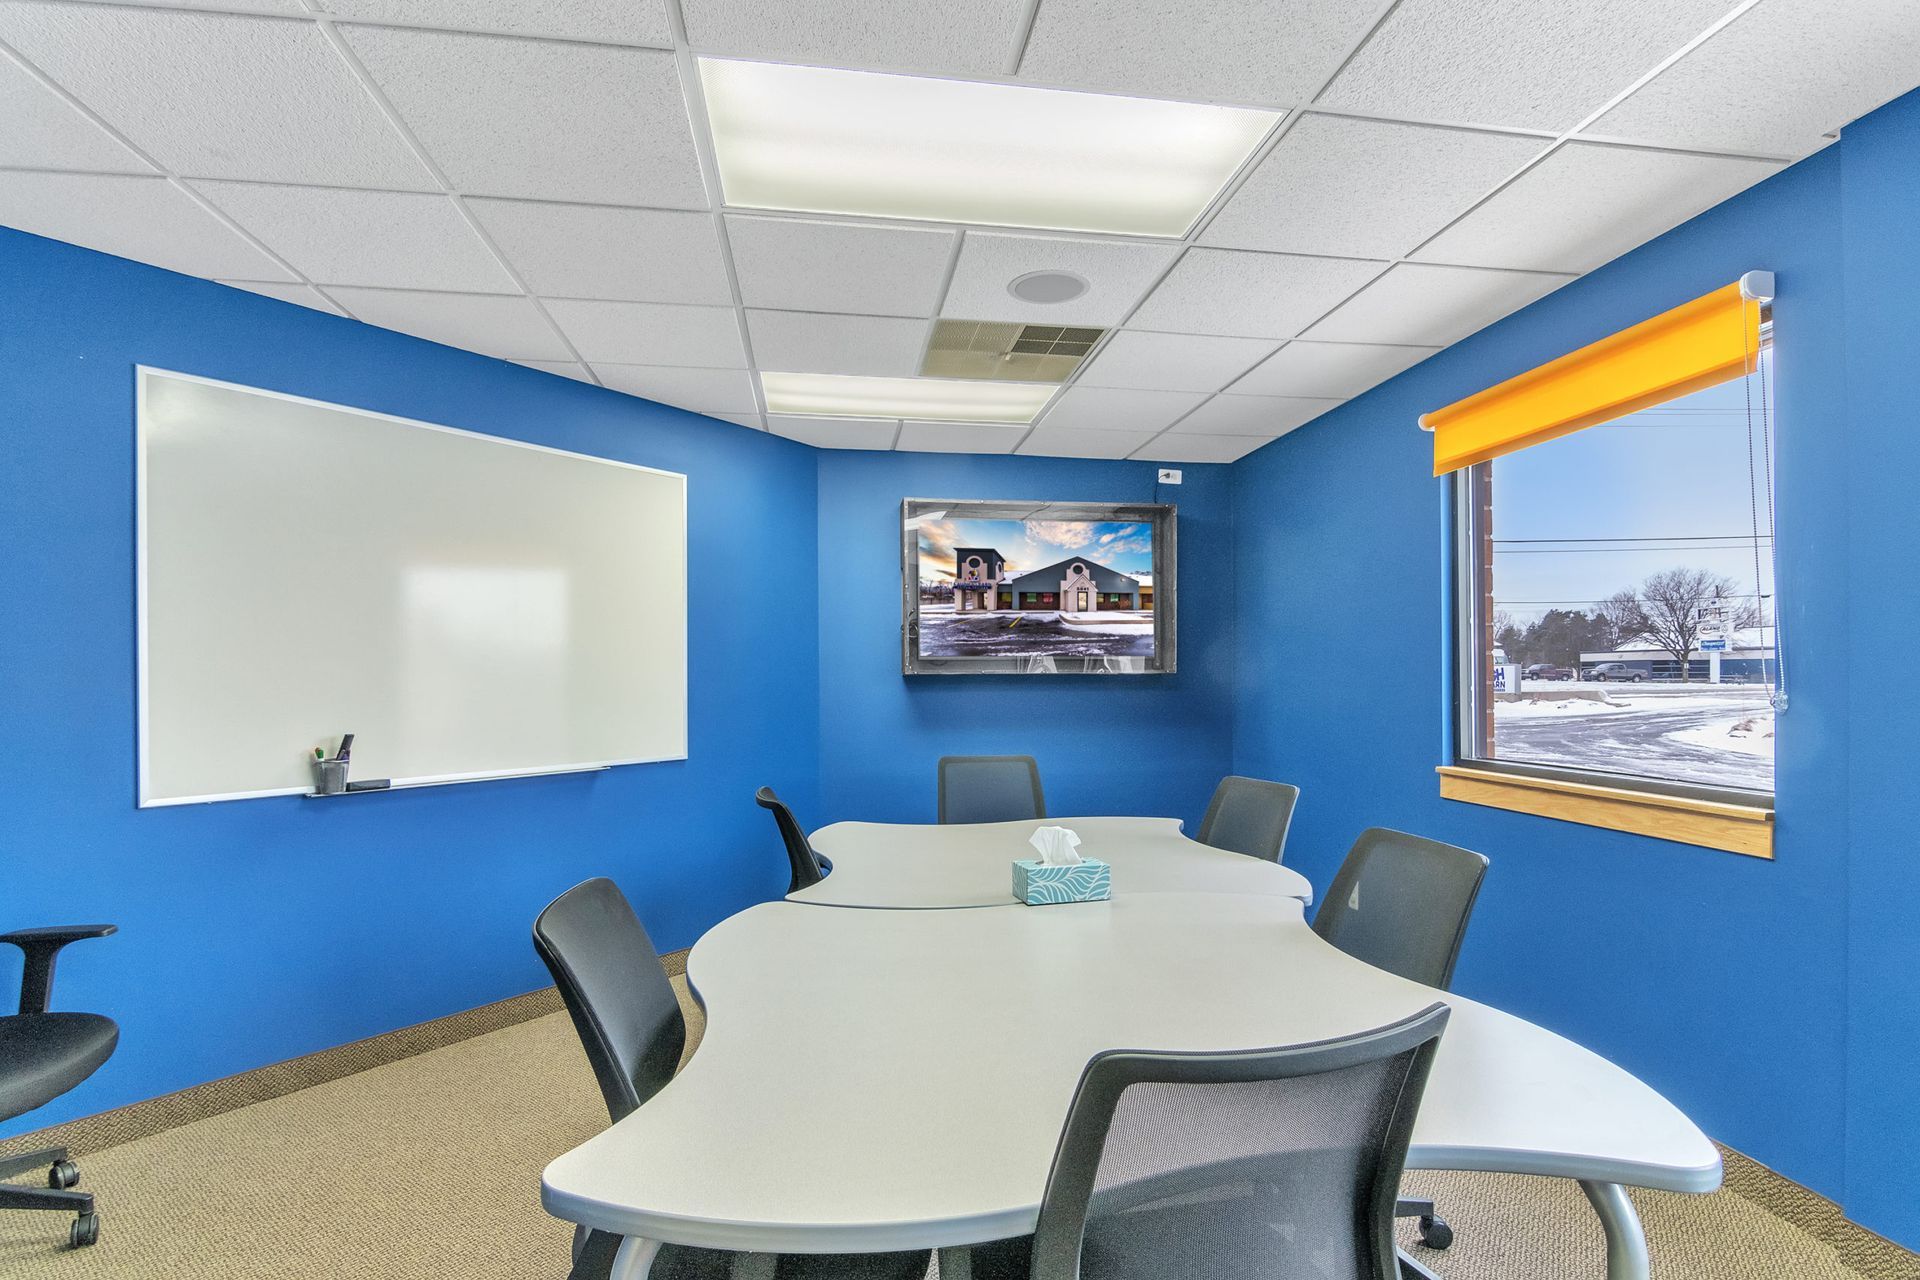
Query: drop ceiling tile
798	265
977	38
651	333
1778	78
1172	361
1175	447
808	342
302	295
1419	305
1268	295
1117	272
507	328
292	8
616	21
218	96
541	119
1251	52
1507	62
1340	370
1263	416
1072	442
958	437
591	251
1110	409
1587	204
382	239
836	433
45	131
145	219
1364	188
701	390
563	368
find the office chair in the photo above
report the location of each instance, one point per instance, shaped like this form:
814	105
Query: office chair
1250	816
42	1055
990	789
1402	903
807	866
630	1025
1269	1162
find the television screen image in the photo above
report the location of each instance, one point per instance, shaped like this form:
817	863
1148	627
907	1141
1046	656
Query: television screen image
1037	588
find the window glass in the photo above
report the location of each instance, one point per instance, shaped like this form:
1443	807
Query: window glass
1617	600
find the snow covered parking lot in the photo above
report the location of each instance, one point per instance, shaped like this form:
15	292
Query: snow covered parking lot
1707	734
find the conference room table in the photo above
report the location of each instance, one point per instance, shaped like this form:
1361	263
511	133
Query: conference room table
901	865
874	1080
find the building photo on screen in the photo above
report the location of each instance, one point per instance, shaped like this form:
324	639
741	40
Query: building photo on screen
1040	589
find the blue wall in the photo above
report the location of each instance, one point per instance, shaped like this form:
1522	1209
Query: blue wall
1774	1001
1149	745
257	930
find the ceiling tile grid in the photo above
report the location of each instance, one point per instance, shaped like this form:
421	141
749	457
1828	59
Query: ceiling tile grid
533	181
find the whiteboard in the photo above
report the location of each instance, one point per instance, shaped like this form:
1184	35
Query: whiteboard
468	607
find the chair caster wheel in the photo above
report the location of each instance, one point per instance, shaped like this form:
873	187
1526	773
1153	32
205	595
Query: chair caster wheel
1434	1231
63	1175
84	1231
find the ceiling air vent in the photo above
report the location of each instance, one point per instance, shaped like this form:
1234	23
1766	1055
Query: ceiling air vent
1007	352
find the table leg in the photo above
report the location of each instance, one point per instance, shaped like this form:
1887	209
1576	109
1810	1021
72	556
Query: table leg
1626	1242
634	1259
754	1266
956	1262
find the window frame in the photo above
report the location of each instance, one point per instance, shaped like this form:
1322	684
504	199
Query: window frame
1470	679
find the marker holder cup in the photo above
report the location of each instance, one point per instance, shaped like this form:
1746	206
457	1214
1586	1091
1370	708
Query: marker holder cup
329	777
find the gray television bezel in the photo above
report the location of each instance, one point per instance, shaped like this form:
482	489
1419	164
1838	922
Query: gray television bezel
1163	516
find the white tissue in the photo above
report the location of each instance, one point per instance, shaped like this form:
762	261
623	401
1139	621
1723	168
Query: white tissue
1056	846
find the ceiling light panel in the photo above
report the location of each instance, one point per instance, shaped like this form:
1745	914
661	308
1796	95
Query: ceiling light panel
928	399
817	140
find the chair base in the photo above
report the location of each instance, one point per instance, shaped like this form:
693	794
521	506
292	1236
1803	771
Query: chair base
62	1174
1434	1231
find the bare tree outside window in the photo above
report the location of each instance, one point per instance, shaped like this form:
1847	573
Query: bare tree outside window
1671	608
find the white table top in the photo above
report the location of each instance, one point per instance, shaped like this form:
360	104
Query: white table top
879	864
890	1079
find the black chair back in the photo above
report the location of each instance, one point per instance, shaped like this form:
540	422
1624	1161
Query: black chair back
990	789
1250	816
1402	903
1270	1162
802	861
615	989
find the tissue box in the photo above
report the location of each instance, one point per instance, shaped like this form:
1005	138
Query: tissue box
1037	884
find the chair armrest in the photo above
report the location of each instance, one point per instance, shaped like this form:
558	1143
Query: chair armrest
41	947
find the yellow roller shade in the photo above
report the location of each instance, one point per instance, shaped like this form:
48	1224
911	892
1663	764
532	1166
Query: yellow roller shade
1709	340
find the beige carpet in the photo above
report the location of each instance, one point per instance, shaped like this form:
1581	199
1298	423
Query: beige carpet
430	1167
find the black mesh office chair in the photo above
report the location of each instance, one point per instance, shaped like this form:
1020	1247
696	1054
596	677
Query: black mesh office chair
807	866
990	789
1271	1162
1402	903
630	1025
42	1055
1250	816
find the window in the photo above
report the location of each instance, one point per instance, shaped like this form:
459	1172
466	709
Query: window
1616	601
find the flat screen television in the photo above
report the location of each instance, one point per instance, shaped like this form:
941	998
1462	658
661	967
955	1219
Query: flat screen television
1036	588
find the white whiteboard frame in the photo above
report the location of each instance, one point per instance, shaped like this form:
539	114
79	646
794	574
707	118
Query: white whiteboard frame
145	798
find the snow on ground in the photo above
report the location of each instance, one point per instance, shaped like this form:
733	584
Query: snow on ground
1557	707
1108	624
1748	735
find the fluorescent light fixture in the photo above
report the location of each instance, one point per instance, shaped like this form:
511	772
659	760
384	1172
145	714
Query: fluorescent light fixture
837	395
817	140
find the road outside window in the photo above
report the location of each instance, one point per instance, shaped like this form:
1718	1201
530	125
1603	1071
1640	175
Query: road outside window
1617	598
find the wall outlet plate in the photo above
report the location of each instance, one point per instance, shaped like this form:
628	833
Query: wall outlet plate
1169	475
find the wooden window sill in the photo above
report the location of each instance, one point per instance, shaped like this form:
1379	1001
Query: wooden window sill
1710	824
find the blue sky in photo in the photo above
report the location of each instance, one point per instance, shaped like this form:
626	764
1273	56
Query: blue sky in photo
1123	546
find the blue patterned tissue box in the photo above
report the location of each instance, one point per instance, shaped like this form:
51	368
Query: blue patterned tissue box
1037	884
